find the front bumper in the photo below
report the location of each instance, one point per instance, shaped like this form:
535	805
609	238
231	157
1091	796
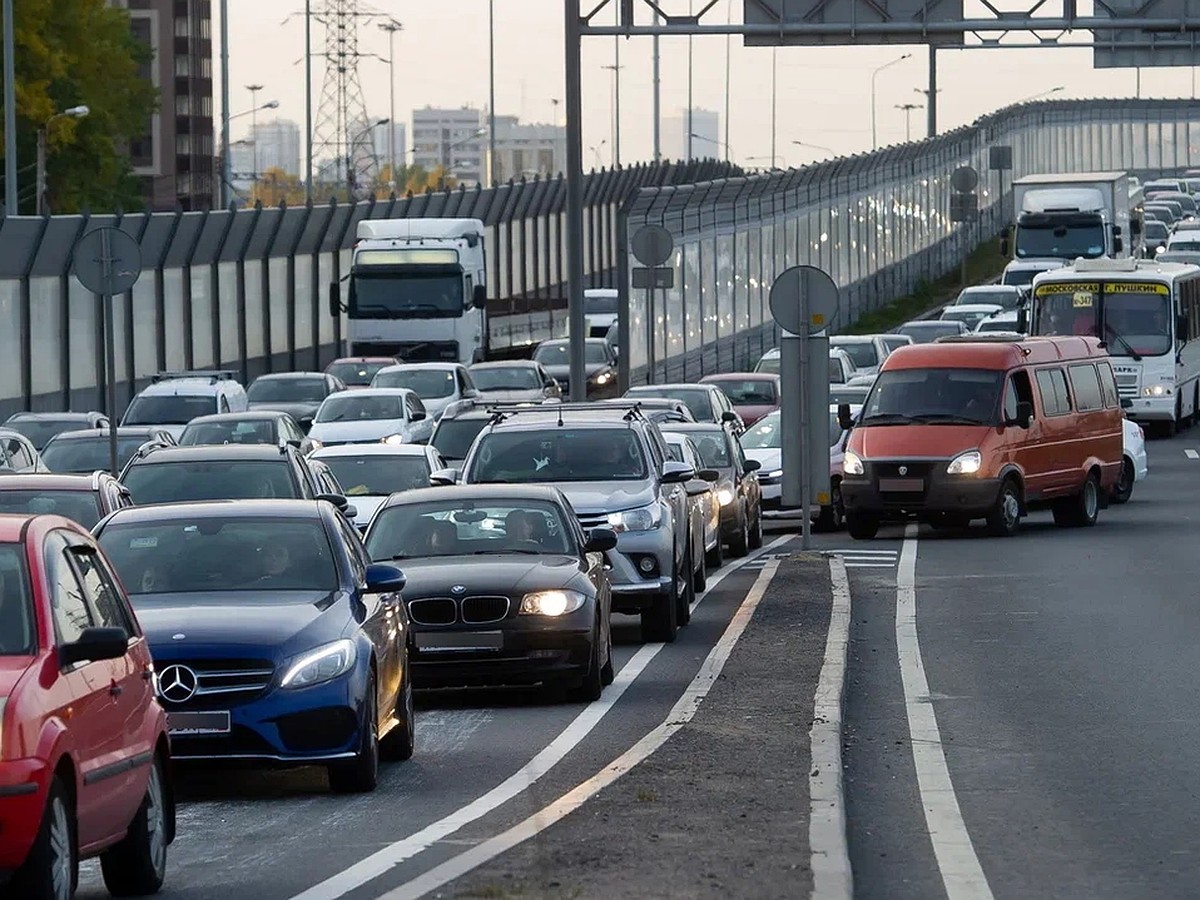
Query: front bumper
1152	409
23	786
925	491
633	589
772	504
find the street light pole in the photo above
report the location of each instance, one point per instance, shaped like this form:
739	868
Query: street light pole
492	93
391	27
226	168
908	108
254	89
576	321
690	127
774	101
728	70
656	104
874	75
10	113
75	112
308	105
616	121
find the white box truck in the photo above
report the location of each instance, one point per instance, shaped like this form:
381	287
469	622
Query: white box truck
1068	216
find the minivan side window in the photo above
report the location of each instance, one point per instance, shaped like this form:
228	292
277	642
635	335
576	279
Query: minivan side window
1108	386
1052	385
1019	391
1086	387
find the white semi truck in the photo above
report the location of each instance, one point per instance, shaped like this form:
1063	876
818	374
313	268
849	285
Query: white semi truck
1068	216
417	289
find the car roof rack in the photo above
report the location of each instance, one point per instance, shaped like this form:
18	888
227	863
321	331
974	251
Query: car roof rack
499	415
213	375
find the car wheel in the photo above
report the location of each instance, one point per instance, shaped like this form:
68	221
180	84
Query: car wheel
608	671
1082	510
861	527
138	864
51	870
715	558
832	517
592	686
1004	518
1124	489
399	743
686	592
739	545
756	535
362	775
659	623
700	578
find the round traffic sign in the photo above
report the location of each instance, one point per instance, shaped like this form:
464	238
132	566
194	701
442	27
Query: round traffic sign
964	179
803	292
108	261
652	245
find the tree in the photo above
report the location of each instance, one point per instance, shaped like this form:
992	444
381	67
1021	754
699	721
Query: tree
276	186
71	53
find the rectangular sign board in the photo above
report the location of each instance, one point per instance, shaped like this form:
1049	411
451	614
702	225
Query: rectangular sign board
1130	49
850	13
963	207
661	277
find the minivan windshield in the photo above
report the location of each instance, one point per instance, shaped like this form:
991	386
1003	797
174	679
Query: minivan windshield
934	397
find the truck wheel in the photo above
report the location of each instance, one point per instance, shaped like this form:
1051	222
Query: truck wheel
1004	518
861	527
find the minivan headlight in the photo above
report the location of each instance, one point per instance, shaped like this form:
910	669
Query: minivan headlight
321	665
644	518
851	464
968	463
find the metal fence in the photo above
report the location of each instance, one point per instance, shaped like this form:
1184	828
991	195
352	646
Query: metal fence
246	290
878	223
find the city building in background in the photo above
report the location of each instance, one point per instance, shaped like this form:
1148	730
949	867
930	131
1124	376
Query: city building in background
450	139
706	131
399	132
175	158
528	150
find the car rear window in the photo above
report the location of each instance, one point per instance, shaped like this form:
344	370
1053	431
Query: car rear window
79	506
88	454
358	374
697	401
378	475
257	431
186	482
168	410
16	613
453	437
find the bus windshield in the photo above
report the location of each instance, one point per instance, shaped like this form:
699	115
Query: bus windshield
1135	315
412	295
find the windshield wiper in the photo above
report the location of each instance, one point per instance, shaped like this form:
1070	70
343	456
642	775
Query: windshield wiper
1121	340
888	419
948	419
505	552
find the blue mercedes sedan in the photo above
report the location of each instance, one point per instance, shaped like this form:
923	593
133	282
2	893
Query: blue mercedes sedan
275	639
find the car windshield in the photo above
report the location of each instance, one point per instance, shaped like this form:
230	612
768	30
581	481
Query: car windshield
1156	230
216	555
697	401
168	410
600	306
88	454
713	447
357	374
767	434
40	431
412	295
559	454
353	407
378	475
1005	299
453	437
185	482
507	378
17	633
768	364
595	353
748	392
927	332
249	431
1018	277
467	527
1174	245
837	374
79	506
287	390
862	353
934	397
1060	241
428	384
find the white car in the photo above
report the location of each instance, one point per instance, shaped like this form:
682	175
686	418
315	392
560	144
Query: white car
369	416
1005	321
600	310
437	384
1136	465
1021	272
841	366
370	473
1007	295
867	351
175	398
970	314
682	450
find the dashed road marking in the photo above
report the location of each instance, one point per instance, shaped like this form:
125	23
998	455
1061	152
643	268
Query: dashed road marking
868	559
1191	454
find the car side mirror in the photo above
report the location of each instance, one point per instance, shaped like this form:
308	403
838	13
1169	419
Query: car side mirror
335	299
479	296
1023	320
729	416
712	476
600	540
698	487
444	477
306	422
752	466
1024	415
417	415
94	645
677	473
383	578
1118	244
337	500
1126	403
845	420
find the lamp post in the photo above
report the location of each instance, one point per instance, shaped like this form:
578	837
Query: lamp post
75	112
774	101
691	13
366	129
491	176
10	113
708	140
728	73
874	75
1053	90
832	153
908	108
616	68
391	26
254	89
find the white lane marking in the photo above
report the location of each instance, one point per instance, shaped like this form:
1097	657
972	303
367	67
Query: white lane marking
1191	454
680	715
961	872
383	860
870	565
827	839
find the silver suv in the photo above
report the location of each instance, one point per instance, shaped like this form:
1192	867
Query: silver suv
613	465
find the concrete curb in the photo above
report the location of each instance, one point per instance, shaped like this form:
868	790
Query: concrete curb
833	878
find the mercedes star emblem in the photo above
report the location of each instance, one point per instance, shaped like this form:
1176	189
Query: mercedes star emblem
458	589
904	470
177	684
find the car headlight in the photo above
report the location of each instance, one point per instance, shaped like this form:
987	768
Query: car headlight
1157	390
725	496
603	378
968	463
644	518
551	603
851	464
393	439
775	473
321	665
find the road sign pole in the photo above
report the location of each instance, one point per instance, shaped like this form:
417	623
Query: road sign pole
805	420
110	363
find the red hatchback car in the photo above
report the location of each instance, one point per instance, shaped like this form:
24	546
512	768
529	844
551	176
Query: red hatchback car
84	756
751	394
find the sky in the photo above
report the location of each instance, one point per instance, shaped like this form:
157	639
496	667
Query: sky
823	96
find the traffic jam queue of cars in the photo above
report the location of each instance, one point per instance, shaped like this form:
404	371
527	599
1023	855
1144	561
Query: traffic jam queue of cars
278	568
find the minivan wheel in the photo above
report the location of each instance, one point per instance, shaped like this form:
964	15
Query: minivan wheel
861	527
1082	510
1124	489
1004	518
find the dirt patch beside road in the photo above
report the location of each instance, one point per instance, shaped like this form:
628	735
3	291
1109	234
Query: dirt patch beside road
721	810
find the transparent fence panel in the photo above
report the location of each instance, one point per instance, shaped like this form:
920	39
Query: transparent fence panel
45	332
278	303
255	343
145	331
202	319
10	328
227	278
173	323
302	326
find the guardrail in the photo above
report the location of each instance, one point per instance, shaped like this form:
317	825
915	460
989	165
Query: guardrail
878	223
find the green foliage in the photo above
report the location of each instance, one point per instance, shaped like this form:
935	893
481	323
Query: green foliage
984	262
71	53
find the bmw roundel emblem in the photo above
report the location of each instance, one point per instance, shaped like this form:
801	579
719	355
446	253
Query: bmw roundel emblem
458	589
904	470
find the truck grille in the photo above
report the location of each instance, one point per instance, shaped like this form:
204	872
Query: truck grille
593	520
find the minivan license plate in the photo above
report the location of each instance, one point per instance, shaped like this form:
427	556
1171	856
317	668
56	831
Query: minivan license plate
907	485
190	724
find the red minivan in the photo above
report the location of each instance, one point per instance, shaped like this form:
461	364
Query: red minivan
985	427
84	756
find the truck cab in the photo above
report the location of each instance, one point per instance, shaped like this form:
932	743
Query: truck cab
416	290
1070	216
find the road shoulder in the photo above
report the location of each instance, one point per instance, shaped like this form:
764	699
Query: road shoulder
722	808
